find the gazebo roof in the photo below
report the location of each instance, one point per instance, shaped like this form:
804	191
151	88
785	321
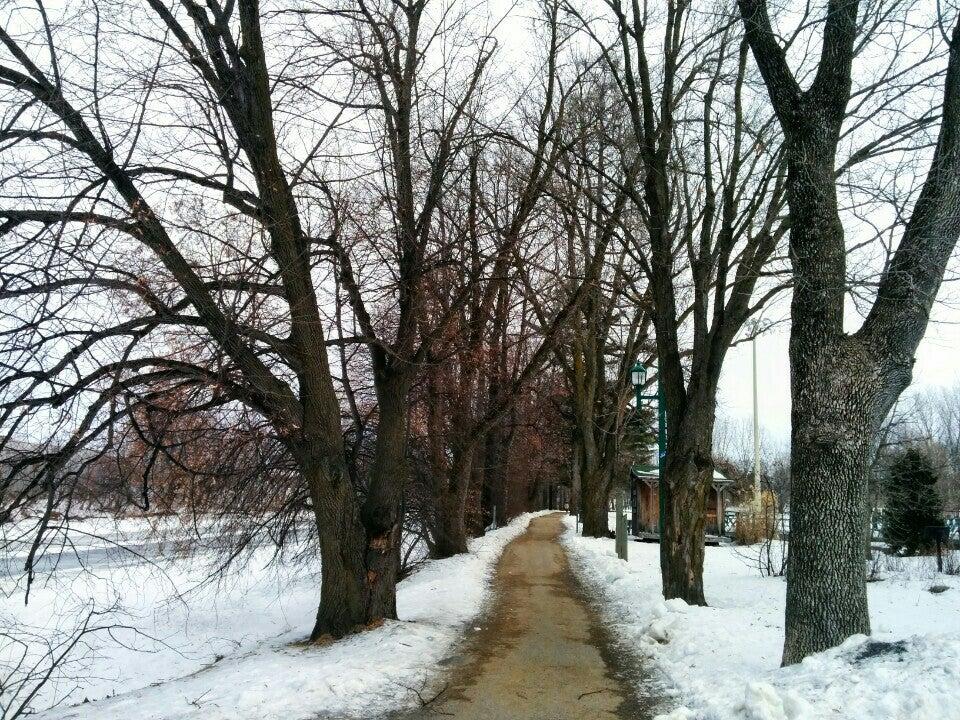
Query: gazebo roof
644	471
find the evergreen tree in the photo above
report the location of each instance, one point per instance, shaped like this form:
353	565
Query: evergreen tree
913	504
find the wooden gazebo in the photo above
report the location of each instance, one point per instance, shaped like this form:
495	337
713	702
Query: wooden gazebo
645	502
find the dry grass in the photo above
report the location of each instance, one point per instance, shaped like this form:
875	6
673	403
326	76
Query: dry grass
757	525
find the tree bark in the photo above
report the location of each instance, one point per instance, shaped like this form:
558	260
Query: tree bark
842	385
826	588
681	546
838	403
381	514
359	562
594	499
344	591
576	480
449	534
496	450
688	476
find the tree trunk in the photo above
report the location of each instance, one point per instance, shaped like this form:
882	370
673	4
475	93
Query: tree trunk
448	531
687	486
359	551
475	517
344	591
826	581
576	483
381	513
495	455
594	500
837	408
835	421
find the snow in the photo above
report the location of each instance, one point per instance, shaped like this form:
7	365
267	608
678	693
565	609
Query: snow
234	649
722	662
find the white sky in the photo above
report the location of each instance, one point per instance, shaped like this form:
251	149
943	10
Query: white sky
938	365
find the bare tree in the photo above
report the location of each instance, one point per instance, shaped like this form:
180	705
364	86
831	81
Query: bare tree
248	188
611	328
481	370
844	384
709	195
418	109
118	138
435	215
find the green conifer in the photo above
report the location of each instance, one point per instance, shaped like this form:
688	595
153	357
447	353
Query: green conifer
913	505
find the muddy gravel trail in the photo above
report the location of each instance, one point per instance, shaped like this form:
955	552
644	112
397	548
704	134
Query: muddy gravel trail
540	653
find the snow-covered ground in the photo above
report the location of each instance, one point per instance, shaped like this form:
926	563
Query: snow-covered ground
722	661
184	649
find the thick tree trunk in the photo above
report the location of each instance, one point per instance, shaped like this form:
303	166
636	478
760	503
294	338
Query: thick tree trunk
381	514
448	531
344	591
682	544
687	479
826	581
594	500
837	410
359	550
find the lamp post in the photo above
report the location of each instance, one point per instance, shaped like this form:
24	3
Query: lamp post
638	374
756	436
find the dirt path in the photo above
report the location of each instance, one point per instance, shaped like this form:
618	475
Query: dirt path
540	654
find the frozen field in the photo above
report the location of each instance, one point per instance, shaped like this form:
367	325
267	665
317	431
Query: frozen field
173	646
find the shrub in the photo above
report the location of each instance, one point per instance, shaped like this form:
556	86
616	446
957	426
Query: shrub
913	504
756	525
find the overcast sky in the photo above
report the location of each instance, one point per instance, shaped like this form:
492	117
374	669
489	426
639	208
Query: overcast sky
938	365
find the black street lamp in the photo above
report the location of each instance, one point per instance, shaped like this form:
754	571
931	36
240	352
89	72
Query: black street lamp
638	374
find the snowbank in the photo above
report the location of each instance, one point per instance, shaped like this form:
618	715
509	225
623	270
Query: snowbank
236	654
722	662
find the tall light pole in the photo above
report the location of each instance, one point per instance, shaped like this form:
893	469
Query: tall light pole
638	374
756	433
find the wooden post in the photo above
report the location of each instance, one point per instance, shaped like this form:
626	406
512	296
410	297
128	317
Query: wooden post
718	489
621	542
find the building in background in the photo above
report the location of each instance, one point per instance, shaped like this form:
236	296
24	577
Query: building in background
645	502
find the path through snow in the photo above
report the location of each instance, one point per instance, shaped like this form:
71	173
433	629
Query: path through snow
540	653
